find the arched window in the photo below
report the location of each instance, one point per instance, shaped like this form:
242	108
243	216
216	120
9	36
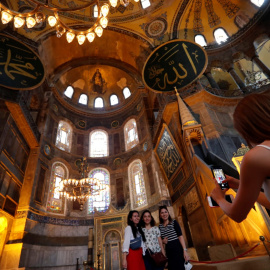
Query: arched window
99	103
114	100
55	203
83	99
95	12
131	134
126	92
200	39
102	201
69	92
258	3
136	184
98	143
220	35
64	136
145	3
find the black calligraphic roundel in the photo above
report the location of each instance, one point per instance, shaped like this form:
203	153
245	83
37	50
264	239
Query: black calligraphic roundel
20	66
176	63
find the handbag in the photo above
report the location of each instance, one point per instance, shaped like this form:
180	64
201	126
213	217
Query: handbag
188	265
136	243
158	257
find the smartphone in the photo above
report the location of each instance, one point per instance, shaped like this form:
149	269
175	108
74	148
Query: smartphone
219	176
213	203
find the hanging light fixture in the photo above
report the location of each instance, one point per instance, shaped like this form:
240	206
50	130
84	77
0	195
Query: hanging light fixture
30	19
81	189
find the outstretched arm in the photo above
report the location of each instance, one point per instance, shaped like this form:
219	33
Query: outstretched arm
254	170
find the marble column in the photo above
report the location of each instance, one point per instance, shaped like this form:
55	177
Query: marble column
261	65
211	80
236	78
90	247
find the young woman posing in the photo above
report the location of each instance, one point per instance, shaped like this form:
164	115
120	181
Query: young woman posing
252	121
172	236
133	259
153	240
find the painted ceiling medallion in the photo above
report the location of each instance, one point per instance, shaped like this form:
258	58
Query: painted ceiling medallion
156	28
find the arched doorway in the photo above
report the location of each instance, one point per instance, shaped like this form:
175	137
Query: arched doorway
112	251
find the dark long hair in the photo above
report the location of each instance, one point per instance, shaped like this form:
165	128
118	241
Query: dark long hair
252	118
133	227
160	219
142	223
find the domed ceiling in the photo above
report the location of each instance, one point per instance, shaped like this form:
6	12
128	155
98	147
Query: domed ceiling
129	38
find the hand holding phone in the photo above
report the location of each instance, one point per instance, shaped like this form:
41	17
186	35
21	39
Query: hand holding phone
213	203
219	176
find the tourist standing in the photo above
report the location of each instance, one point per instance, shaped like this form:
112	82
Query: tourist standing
171	234
153	242
132	259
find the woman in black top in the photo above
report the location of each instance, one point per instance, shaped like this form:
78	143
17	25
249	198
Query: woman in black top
172	236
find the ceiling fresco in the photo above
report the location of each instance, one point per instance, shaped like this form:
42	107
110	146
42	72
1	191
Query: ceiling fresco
130	37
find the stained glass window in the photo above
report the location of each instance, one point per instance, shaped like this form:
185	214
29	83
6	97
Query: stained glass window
64	136
100	202
114	100
55	203
98	143
200	39
137	184
220	35
126	92
83	99
99	103
131	134
69	91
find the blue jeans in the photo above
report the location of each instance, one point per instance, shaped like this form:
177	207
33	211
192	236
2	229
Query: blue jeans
149	263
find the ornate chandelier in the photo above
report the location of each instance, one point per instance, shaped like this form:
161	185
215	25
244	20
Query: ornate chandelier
30	19
82	189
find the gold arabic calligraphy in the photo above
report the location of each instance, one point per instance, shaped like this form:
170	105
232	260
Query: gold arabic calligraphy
178	68
168	154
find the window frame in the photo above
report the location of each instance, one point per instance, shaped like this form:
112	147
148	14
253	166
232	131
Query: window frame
71	94
203	39
90	142
132	144
60	145
80	98
102	102
132	184
222	42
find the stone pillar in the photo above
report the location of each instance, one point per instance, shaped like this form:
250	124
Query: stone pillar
90	247
261	65
211	79
236	78
11	256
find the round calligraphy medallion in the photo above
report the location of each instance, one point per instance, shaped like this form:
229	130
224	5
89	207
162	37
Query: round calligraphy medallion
20	67
117	161
174	64
115	124
82	124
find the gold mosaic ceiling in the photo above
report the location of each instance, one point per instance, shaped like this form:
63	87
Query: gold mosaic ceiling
131	34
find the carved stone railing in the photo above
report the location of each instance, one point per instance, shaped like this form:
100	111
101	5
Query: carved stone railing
257	87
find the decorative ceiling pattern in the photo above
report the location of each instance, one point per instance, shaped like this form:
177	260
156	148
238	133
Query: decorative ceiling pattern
131	35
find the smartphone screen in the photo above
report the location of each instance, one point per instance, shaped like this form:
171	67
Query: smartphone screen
220	176
213	203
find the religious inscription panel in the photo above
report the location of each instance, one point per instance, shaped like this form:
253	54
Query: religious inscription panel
168	153
20	66
176	63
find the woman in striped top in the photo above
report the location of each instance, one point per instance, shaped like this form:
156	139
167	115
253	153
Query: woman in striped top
172	236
